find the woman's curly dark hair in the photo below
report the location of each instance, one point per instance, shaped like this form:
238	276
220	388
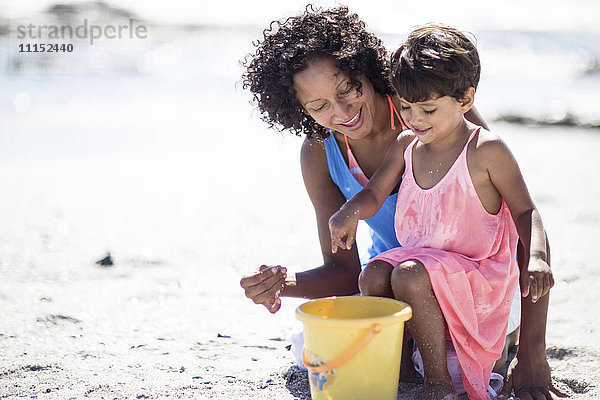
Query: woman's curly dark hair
288	47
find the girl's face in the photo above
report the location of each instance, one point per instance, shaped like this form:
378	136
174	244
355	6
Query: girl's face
436	118
327	95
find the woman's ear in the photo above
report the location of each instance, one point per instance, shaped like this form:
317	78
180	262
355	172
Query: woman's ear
467	101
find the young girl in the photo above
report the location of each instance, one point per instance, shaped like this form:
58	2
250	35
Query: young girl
462	207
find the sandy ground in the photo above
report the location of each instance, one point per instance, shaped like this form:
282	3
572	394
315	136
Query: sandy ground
169	320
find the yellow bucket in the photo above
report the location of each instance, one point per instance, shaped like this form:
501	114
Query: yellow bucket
353	346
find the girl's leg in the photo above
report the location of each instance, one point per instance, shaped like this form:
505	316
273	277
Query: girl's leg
511	340
374	280
410	283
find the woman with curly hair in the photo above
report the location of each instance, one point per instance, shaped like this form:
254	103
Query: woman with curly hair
323	75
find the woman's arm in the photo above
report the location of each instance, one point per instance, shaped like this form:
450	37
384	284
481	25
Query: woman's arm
476	118
339	273
528	374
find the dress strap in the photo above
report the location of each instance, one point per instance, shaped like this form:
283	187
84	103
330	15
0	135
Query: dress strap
392	111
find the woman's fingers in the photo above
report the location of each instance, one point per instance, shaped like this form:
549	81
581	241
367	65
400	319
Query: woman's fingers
259	282
274	306
536	395
255	277
269	293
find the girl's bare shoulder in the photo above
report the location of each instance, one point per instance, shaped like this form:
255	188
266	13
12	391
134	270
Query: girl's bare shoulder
405	138
488	147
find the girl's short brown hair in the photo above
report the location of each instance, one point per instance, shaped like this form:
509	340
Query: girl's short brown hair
435	60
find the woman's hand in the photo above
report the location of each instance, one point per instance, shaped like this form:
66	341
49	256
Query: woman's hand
265	285
538	279
529	380
342	228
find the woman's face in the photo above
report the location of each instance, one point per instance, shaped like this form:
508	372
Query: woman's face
328	96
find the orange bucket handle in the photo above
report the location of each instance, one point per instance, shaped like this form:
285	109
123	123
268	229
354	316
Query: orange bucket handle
347	356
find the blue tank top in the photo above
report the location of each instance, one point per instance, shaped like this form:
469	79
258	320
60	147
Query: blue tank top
381	225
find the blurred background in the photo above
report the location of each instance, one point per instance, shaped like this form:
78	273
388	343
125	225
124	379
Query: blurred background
169	109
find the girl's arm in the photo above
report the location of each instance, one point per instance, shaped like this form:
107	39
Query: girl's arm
528	374
367	202
536	276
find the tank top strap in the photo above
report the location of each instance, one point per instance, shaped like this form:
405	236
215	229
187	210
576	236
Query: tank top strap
408	156
353	163
408	164
393	111
346	140
355	169
463	153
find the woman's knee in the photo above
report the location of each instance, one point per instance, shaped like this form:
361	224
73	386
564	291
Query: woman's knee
374	279
410	279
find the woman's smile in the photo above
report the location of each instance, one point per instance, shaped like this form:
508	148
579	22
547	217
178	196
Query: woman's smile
334	100
355	122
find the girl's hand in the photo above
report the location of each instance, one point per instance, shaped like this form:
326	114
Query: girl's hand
538	279
342	227
265	285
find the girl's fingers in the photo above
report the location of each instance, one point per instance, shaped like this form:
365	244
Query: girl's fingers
349	242
507	388
336	243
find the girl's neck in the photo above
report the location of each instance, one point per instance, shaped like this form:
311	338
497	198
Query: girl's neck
457	138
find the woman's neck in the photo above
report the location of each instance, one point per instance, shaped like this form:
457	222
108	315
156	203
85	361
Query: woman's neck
381	124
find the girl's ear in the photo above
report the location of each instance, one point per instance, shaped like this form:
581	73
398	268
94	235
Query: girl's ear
467	101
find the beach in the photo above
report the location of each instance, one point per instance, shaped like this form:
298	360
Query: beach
163	165
169	319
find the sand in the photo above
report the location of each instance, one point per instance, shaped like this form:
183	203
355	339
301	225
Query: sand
169	320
